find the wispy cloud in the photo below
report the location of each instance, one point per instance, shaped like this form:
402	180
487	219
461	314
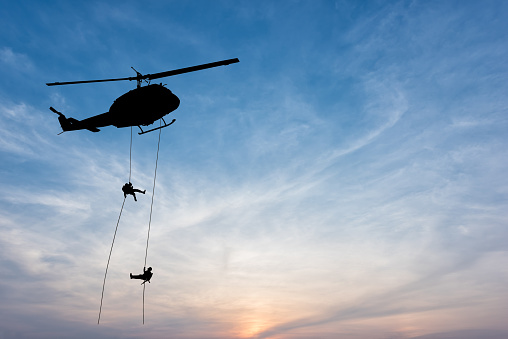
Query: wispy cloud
18	61
350	180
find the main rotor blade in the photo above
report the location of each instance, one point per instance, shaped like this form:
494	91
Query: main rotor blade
156	75
88	81
190	69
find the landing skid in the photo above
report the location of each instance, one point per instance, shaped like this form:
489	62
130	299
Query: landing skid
156	128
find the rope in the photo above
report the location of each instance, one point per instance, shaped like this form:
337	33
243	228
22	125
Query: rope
107	265
114	235
144	286
118	222
130	158
151	209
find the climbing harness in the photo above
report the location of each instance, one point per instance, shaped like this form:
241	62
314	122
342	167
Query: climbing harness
118	222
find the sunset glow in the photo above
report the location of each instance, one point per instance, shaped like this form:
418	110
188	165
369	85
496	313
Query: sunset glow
347	178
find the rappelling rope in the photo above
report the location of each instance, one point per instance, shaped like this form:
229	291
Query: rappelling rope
107	265
151	209
130	158
114	235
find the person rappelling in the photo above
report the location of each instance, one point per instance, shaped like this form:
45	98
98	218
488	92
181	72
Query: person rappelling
146	276
129	189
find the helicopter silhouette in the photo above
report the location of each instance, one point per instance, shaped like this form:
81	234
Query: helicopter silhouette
141	106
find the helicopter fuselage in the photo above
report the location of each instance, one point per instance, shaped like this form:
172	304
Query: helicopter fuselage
139	107
143	106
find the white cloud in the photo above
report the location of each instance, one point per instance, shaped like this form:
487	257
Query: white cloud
18	61
275	221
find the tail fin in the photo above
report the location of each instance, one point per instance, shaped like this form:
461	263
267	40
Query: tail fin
71	124
65	123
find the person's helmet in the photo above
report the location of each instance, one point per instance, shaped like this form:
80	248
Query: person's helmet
149	269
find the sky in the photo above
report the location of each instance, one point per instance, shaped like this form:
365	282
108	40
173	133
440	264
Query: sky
345	179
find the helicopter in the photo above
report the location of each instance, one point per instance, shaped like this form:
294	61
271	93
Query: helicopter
141	106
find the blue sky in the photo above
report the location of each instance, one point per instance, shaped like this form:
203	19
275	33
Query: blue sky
346	179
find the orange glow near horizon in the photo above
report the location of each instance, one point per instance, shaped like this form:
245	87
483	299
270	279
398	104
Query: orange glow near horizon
251	328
